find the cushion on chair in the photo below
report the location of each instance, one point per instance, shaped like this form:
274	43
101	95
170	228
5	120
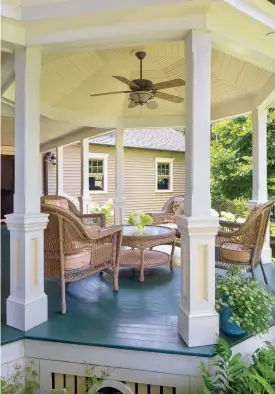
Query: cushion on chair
60	203
178	206
236	253
77	261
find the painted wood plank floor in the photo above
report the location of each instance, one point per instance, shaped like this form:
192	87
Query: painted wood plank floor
141	316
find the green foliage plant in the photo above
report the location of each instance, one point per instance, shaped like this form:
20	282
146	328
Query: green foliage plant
107	208
232	377
24	380
251	305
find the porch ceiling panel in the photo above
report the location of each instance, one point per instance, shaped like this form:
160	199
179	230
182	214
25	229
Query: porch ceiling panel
68	80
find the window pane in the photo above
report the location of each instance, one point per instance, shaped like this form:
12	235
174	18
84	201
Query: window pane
163	183
96	182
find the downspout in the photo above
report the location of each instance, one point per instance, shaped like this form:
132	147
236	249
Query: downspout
46	174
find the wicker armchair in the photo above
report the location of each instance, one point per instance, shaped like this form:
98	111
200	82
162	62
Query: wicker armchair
242	243
74	251
165	216
88	219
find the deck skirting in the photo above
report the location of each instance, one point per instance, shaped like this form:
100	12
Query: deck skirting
131	371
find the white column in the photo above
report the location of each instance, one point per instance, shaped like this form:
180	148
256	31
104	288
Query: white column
119	202
259	160
84	199
27	304
59	170
198	322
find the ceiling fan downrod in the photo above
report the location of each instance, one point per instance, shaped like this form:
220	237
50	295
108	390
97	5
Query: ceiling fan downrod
140	56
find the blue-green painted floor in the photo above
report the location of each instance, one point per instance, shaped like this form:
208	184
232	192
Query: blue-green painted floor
141	316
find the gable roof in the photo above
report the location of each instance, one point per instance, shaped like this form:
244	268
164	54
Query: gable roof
155	139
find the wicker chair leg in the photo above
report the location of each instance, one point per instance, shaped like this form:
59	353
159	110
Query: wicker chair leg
63	297
263	271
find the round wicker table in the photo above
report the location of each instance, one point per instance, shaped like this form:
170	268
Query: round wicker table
141	244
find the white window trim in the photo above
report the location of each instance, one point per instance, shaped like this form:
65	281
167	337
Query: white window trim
104	157
171	162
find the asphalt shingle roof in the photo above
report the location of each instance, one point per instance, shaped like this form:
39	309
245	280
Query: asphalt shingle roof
166	139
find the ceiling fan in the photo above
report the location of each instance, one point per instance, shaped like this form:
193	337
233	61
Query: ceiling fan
143	90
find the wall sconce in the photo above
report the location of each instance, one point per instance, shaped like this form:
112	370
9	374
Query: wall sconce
52	158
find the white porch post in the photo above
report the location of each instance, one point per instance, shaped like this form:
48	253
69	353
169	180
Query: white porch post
198	322
59	170
84	199
259	159
27	304
119	202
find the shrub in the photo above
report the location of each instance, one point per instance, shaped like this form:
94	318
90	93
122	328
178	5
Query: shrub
251	305
237	206
231	376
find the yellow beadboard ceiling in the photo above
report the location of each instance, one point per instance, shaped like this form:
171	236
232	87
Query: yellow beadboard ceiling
67	80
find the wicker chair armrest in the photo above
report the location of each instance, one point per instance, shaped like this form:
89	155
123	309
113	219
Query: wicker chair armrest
160	217
106	232
227	236
98	215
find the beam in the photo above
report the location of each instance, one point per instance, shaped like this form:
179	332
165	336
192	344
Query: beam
154	122
266	97
230	109
100	122
71	8
11	11
7	72
120	34
77	135
13	34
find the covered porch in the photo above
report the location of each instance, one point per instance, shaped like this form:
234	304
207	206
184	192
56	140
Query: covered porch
228	72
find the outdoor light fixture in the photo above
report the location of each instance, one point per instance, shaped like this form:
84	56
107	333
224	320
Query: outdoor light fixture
141	97
52	158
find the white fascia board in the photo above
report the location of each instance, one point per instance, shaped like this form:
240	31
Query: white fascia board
266	97
120	34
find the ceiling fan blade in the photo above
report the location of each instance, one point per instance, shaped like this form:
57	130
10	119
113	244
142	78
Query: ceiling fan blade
127	81
169	84
105	94
132	104
168	97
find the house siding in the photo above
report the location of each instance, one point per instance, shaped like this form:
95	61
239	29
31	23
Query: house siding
140	184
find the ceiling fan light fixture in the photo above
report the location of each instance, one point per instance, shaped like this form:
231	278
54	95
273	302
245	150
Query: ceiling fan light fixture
141	97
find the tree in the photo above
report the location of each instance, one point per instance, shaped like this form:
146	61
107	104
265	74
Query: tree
231	158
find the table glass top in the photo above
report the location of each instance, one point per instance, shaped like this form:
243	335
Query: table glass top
148	230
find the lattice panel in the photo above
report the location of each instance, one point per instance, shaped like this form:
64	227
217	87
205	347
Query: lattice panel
77	385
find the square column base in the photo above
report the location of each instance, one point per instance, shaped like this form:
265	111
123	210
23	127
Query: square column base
198	321
84	204
28	315
27	304
198	330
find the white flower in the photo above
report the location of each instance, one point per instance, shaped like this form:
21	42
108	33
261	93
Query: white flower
137	220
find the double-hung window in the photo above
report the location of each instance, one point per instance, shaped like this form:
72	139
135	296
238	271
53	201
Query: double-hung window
98	173
164	174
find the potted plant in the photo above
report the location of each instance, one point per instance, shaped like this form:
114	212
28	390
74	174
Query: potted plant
242	304
140	220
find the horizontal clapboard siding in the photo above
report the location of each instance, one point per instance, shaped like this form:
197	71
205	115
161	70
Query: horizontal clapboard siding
140	183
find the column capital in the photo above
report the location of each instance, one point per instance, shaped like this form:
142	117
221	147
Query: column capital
196	225
27	222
